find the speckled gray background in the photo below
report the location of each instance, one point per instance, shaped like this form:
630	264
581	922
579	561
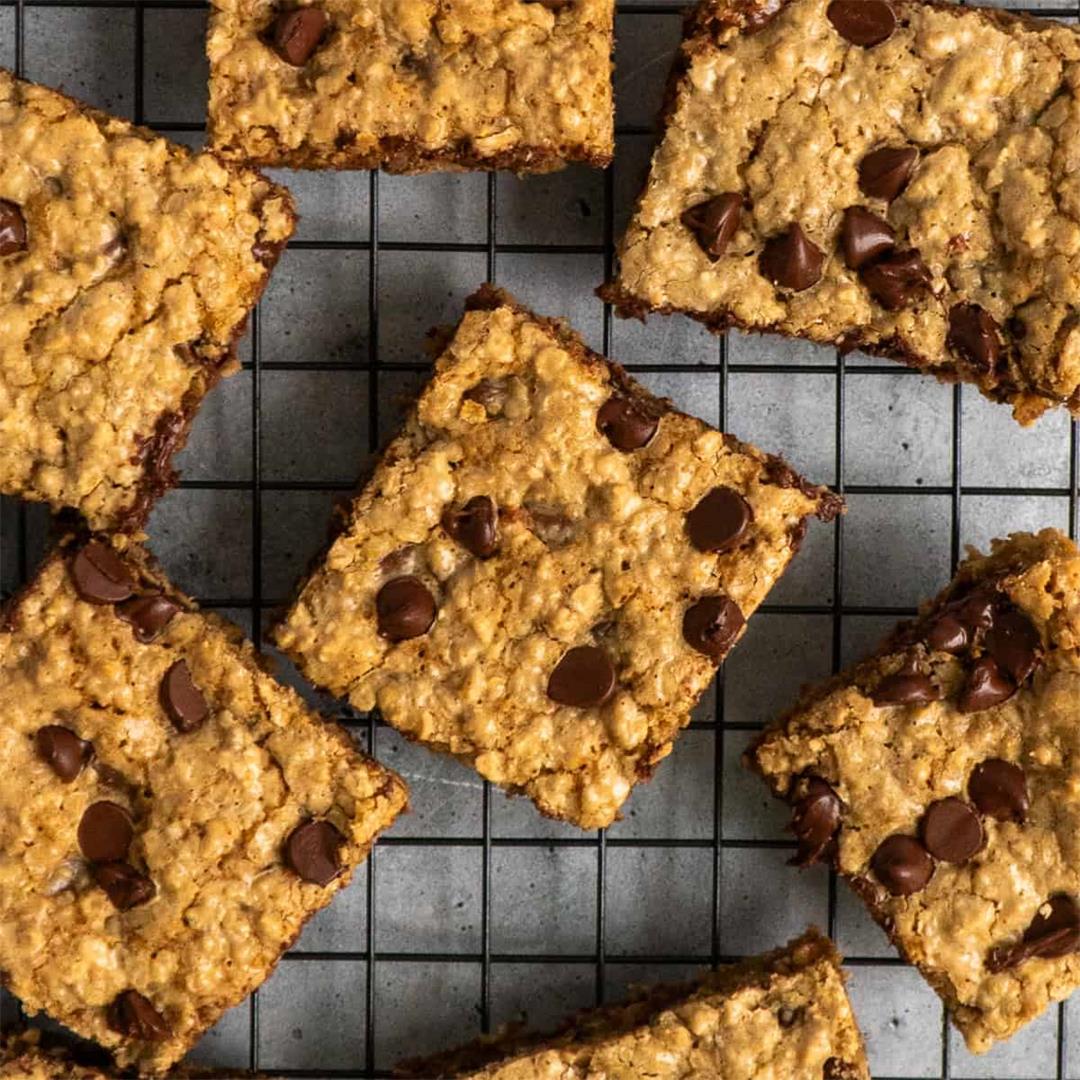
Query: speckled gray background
478	911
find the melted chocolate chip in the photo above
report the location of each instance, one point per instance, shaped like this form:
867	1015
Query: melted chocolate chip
313	851
404	608
148	615
987	685
125	886
182	700
791	260
862	22
864	236
624	424
815	819
714	222
1055	931
12	228
905	688
885	172
973	335
951	830
100	575
999	790
296	34
474	526
902	865
584	677
947	634
711	626
1014	643
62	750
719	520
105	832
132	1016
897	279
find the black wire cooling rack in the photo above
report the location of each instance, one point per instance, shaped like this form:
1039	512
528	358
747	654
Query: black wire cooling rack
19	541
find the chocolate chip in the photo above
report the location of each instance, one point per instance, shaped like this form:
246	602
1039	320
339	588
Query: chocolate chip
864	236
902	865
125	886
1014	643
624	424
885	172
862	22
12	228
313	851
62	750
973	335
1055	931
947	634
582	678
951	830
404	609
474	526
999	790
297	34
712	625
714	222
905	688
100	575
105	832
490	393
791	260
132	1016
148	615
719	520
986	686
815	819
897	279
182	700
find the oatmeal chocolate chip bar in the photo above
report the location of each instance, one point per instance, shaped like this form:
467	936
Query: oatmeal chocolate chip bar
547	567
127	268
411	87
170	816
784	1014
888	175
940	776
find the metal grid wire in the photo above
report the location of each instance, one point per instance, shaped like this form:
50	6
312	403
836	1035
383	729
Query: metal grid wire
18	536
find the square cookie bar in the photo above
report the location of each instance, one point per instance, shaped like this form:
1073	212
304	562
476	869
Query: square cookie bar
171	816
889	175
941	778
784	1014
547	567
411	87
128	266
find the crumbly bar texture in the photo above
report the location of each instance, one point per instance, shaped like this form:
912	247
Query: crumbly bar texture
898	177
412	85
547	567
170	816
25	1057
941	777
782	1016
127	268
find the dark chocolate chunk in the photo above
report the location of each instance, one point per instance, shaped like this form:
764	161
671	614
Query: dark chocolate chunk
898	278
1055	931
125	886
999	790
973	335
474	526
905	688
864	236
947	634
624	424
714	222
12	228
902	865
1014	643
815	819
987	685
951	830
711	625
313	851
132	1016
719	520
148	615
404	608
862	22
100	575
791	260
297	34
62	750
105	832
885	172
182	700
584	677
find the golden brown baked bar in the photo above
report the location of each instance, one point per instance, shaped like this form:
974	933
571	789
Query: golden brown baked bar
128	266
547	567
784	1014
170	816
940	776
889	175
412	85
